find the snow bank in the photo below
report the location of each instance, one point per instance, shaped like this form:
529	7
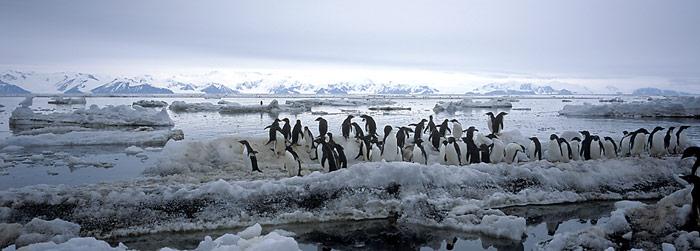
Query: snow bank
468	103
338	102
151	103
67	101
94	116
83	138
440	196
232	107
681	107
36	231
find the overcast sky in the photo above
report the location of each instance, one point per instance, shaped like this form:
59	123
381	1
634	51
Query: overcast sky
559	39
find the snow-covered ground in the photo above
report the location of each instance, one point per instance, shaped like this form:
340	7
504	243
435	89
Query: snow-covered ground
678	107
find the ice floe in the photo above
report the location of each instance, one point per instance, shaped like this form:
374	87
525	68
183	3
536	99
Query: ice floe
151	103
232	107
681	107
95	117
339	102
67	100
101	137
468	103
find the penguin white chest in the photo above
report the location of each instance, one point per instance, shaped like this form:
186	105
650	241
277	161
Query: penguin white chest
595	149
451	154
553	151
497	152
575	150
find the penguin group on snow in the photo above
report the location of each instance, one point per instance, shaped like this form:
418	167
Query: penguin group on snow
453	144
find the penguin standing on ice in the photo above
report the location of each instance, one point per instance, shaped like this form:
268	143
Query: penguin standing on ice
340	153
535	149
452	152
473	155
565	150
586	145
638	141
287	129
402	135
656	142
250	160
695	193
610	148
370	125
512	150
431	125
575	144
497	149
692	151
274	128
553	149
495	123
308	139
597	149
485	153
365	148
346	126
681	139
297	133
435	139
322	126
327	159
670	140
444	128
358	130
390	148
625	144
419	129
456	129
375	154
419	155
292	163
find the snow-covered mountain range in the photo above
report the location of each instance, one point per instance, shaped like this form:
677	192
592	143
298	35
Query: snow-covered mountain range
14	82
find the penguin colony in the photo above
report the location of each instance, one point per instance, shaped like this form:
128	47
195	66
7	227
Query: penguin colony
454	144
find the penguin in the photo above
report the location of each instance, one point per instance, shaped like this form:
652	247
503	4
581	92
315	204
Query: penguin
535	149
610	148
308	139
444	128
402	135
512	150
250	160
297	133
365	148
495	123
473	155
322	126
327	156
346	126
681	139
463	151
470	132
638	142
435	139
586	145
554	149
670	140
431	125
292	163
625	144
370	125
452	152
456	129
274	127
484	149
376	152
286	129
419	130
565	150
597	149
358	130
695	194
575	144
497	149
656	142
419	155
692	151
340	153
390	149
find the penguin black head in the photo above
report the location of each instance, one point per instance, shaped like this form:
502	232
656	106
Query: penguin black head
431	117
451	140
387	129
489	113
502	114
671	128
350	116
444	142
576	139
642	130
626	132
692	151
319	119
585	133
683	128
286	120
454	121
424	120
595	137
658	128
418	141
608	138
553	137
471	128
492	136
244	142
330	136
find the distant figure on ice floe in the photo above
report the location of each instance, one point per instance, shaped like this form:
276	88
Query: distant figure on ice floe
346	126
656	142
495	123
370	125
250	159
535	149
292	163
692	151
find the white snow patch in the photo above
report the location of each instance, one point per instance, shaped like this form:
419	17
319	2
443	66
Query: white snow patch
122	115
83	138
673	107
133	150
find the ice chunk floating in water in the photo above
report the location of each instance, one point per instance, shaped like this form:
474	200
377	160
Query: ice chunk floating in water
678	107
122	115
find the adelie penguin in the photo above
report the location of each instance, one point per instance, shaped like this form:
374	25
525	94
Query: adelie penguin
535	149
358	130
431	125
370	125
250	159
390	149
625	144
346	126
473	154
322	126
692	151
638	141
419	155
485	153
444	128
497	149
681	139
297	133
452	152
575	144
365	148
656	142
554	152
597	149
342	161
276	137
292	163
287	129
435	139
565	150
512	150
274	128
327	155
402	135
586	145
610	148
308	140
419	130
495	123
670	140
456	129
695	204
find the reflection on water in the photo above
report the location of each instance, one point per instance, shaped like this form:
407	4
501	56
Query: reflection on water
542	223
